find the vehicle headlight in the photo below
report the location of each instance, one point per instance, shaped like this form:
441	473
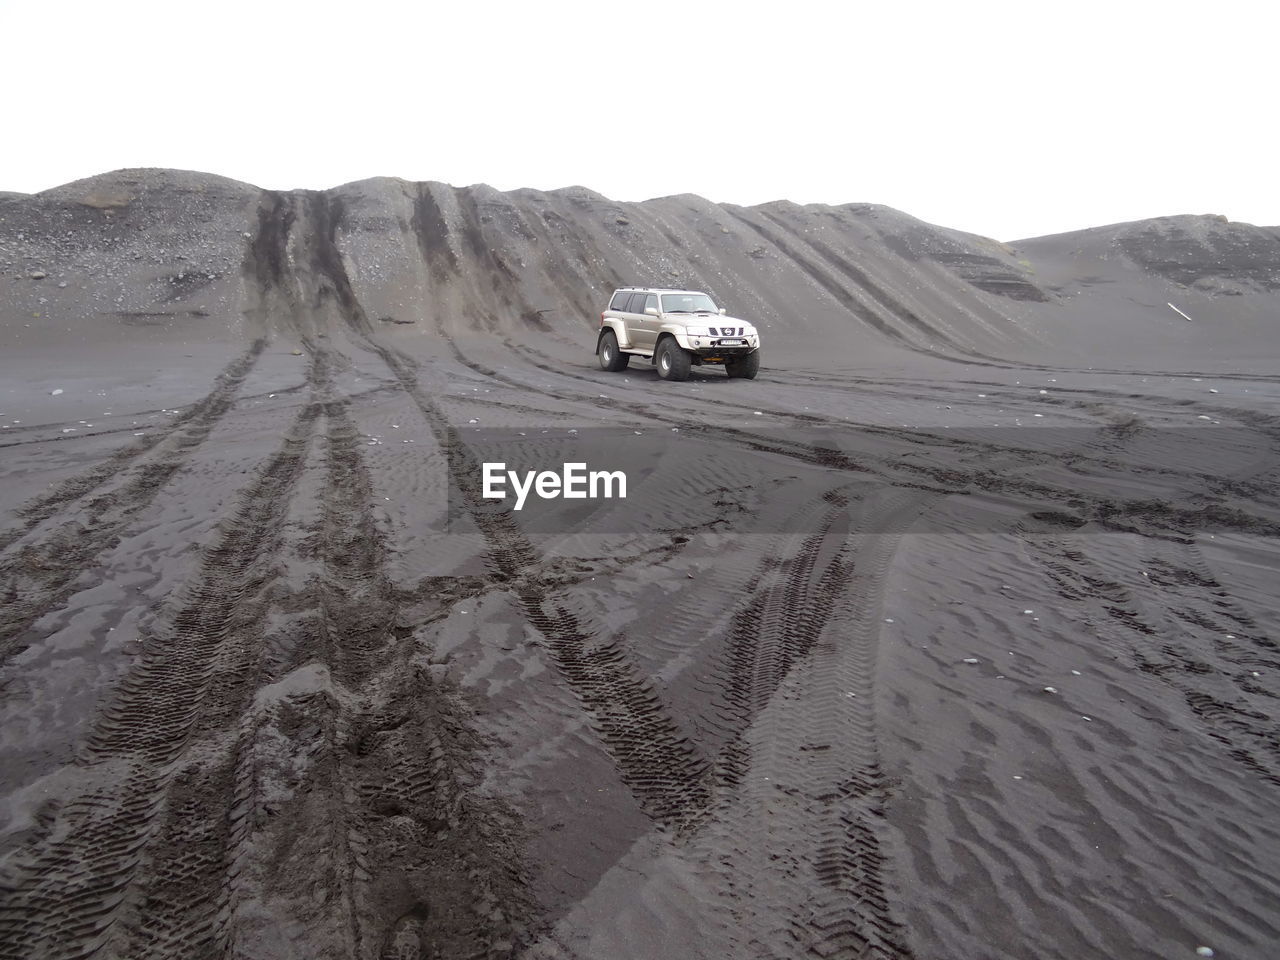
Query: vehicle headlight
697	331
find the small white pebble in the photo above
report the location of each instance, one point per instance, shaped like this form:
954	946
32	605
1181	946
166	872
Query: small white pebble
1076	673
1090	719
1028	611
970	659
1204	951
1016	777
888	620
1050	689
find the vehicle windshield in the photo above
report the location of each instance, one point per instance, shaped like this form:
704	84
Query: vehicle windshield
687	303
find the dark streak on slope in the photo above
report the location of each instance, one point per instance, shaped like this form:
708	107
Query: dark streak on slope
862	279
268	257
836	289
432	234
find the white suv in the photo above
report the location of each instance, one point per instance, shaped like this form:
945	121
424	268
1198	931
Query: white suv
674	330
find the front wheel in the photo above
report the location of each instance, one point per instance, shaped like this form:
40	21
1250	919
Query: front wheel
673	361
744	368
611	358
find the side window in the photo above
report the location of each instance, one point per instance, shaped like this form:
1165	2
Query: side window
637	303
650	301
620	300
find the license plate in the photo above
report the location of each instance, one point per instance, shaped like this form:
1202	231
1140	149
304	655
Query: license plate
733	343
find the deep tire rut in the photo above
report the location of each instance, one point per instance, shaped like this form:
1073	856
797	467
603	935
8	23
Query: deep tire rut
61	898
804	774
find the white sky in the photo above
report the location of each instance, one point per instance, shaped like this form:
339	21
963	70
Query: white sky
1006	119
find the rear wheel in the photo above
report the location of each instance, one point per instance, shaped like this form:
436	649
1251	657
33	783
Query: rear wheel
746	367
611	358
673	360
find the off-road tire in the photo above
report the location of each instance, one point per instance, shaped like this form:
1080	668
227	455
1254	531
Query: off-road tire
744	368
611	358
672	360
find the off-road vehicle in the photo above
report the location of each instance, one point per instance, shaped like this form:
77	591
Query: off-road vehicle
675	330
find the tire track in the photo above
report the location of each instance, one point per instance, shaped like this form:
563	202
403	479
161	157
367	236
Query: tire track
62	897
410	854
854	920
148	860
41	574
1153	518
655	755
804	776
777	628
425	863
206	411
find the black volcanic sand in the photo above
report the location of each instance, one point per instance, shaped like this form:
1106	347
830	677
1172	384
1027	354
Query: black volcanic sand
262	696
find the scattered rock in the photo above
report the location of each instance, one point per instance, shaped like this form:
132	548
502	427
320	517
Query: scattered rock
54	393
37	274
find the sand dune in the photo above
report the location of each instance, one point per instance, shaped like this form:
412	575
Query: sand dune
952	635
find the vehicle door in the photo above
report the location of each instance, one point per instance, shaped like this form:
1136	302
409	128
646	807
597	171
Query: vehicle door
642	326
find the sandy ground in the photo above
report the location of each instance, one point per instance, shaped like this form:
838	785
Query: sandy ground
952	635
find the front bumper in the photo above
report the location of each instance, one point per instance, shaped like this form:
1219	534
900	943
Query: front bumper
703	344
720	354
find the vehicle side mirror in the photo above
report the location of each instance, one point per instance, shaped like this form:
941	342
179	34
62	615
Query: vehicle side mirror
652	311
722	311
